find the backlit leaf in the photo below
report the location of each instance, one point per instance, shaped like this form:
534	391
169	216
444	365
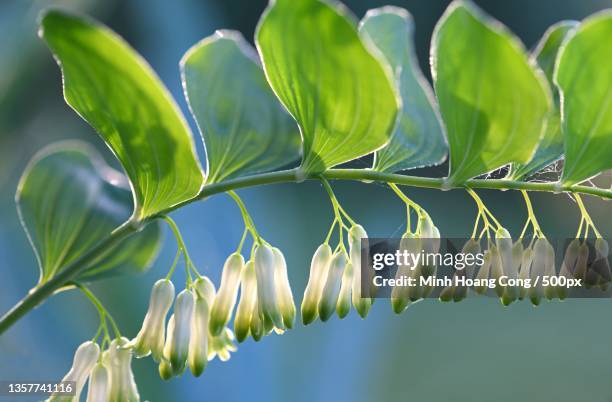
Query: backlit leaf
108	84
245	128
68	200
584	77
418	139
339	93
550	148
493	101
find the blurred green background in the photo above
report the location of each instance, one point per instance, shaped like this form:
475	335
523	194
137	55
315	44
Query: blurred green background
473	351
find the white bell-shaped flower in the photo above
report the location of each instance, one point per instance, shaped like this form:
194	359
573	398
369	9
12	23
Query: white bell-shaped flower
266	288
225	299
525	271
151	337
179	347
283	289
198	342
400	295
538	267
118	359
247	303
257	327
316	281
343	306
98	389
165	368
362	304
504	244
331	290
85	358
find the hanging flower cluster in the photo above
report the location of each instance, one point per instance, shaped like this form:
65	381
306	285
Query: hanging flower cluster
258	296
108	373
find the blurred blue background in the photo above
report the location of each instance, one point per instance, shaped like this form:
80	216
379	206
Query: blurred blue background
473	351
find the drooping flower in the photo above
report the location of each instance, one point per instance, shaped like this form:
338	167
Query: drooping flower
508	264
179	346
267	297
457	292
98	388
151	337
85	359
316	281
165	368
283	289
225	299
483	273
400	295
598	273
257	322
333	282
430	236
198	341
361	304
541	258
247	306
118	359
525	270
344	298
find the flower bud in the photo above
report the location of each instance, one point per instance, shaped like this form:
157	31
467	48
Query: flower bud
331	290
318	274
226	296
484	273
362	304
550	270
247	303
538	266
85	359
283	289
257	323
497	270
504	244
179	347
581	263
431	244
150	339
198	342
344	299
118	359
400	295
99	384
266	290
602	264
165	368
525	270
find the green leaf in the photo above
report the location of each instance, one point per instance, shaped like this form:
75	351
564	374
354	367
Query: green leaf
245	128
550	148
340	94
584	77
418	139
68	200
493	101
108	84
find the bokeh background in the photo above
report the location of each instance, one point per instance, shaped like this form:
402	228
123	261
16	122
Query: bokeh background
473	351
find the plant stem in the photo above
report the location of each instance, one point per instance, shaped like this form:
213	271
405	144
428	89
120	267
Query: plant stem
38	294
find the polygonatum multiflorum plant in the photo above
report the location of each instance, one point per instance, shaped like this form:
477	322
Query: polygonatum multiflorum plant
319	90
